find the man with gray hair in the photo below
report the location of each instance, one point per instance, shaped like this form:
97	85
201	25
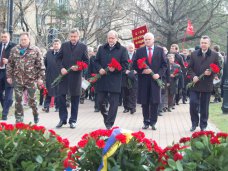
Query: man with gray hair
110	84
70	52
149	92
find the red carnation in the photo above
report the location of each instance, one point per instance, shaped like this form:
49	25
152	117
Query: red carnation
177	156
100	143
20	125
222	134
67	163
214	140
122	138
74	149
129	61
66	143
81	65
9	127
82	143
186	64
176	71
52	132
59	139
185	139
138	135
142	63
115	64
214	68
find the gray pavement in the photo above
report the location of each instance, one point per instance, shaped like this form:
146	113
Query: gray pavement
170	127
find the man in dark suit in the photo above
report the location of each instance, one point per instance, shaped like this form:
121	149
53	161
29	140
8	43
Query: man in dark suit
110	83
201	92
149	93
6	101
70	52
51	73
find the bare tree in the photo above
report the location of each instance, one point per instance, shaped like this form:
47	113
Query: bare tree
168	18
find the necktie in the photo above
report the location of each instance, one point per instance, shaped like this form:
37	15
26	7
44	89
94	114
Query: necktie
150	55
3	55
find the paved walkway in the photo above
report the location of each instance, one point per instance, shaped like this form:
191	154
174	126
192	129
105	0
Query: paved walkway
170	127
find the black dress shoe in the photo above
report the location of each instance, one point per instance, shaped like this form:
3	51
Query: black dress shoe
60	124
125	111
36	119
4	118
108	127
202	129
153	127
193	128
96	110
72	125
132	111
169	110
159	114
145	127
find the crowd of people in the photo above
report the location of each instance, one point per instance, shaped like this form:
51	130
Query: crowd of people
159	86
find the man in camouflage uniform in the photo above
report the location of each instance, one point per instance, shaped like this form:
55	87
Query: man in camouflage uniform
24	69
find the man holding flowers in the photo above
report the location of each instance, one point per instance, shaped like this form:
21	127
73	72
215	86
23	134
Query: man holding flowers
149	83
111	61
202	68
72	54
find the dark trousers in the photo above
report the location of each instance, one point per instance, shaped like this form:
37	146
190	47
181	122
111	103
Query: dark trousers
110	115
199	103
96	104
63	113
150	113
41	97
6	100
48	101
129	98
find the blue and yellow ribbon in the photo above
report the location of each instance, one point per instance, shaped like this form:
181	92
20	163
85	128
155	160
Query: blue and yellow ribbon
111	146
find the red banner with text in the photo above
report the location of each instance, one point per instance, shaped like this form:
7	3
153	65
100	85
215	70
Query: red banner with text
138	34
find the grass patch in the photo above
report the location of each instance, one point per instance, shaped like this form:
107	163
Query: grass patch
217	117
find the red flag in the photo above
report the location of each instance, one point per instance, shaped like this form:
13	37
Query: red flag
189	29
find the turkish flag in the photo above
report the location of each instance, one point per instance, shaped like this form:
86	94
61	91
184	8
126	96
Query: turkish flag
190	30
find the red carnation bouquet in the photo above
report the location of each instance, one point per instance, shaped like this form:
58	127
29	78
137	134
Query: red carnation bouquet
142	65
213	68
45	91
114	63
176	71
80	65
186	64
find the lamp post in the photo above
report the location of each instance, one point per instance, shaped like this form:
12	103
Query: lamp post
10	17
225	83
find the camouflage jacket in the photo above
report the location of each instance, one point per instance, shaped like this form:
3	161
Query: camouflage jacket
26	68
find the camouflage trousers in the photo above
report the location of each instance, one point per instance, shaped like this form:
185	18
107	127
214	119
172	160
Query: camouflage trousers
19	89
217	90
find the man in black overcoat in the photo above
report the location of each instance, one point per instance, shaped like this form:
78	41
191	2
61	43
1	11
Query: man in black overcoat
110	83
200	93
51	73
70	52
149	93
6	101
